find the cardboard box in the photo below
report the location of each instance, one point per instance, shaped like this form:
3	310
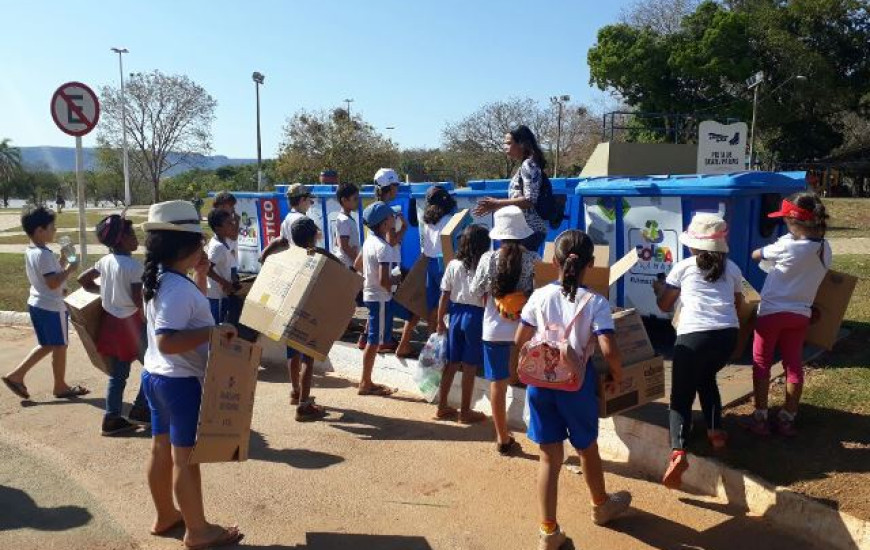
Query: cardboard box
599	276
86	315
305	301
829	308
631	339
224	429
451	233
412	290
642	383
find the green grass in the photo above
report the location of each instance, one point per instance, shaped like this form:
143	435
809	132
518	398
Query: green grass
70	220
14	288
91	237
859	266
849	217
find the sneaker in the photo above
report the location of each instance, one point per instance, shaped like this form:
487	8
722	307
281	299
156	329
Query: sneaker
677	465
117	425
309	412
140	415
616	505
553	541
756	425
785	427
363	341
718	439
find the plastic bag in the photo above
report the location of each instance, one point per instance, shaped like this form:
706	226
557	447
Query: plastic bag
432	360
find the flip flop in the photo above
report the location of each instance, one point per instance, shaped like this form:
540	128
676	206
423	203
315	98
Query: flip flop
379	390
445	414
229	536
73	391
17	388
173	527
471	417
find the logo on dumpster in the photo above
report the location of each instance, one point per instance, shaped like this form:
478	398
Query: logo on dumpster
655	248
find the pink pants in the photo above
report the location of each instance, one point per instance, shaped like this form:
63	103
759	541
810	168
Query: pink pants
785	331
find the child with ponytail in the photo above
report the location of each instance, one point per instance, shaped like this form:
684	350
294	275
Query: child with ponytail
505	277
709	286
179	325
560	414
799	261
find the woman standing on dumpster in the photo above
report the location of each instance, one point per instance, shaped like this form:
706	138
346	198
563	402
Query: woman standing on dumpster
525	186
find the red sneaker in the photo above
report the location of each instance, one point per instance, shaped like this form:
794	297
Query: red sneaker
755	425
673	477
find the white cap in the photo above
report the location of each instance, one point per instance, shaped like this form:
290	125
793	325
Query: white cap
386	177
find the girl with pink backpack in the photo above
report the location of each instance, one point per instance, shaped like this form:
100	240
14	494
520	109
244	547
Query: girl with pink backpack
560	325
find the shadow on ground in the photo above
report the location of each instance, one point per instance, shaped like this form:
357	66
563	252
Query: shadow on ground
19	511
342	541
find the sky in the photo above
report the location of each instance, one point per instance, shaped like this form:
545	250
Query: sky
410	64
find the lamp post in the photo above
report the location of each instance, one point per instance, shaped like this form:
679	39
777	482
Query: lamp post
754	83
348	102
128	196
560	102
259	78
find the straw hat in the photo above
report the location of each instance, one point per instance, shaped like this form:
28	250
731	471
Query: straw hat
707	232
510	224
173	216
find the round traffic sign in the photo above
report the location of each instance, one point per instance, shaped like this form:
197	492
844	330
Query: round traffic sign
75	108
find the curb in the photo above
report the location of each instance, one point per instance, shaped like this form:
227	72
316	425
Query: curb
14	319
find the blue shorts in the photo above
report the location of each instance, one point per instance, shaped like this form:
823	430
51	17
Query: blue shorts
496	360
291	353
174	404
219	308
557	415
465	335
433	283
51	327
380	322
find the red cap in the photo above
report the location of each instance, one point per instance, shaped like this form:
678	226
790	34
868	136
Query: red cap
791	210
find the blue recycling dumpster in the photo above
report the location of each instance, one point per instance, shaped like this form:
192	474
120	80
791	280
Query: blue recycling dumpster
260	222
648	214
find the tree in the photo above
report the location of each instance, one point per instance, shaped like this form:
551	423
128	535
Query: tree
10	165
36	185
169	119
315	141
660	16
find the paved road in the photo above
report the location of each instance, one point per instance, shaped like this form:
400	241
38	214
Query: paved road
377	474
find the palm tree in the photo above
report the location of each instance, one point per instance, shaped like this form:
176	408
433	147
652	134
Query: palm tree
10	160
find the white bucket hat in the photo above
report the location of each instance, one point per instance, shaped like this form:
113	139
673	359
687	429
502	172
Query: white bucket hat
510	224
707	232
173	216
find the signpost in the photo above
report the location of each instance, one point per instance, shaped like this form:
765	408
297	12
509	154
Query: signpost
76	111
721	147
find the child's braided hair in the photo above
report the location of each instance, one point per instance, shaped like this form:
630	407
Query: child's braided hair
162	247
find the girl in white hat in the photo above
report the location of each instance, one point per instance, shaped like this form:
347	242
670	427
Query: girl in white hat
179	325
708	285
505	278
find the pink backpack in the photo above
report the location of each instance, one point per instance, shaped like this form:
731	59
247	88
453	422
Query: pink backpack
546	361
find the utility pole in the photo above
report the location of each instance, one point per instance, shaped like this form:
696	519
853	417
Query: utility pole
128	195
259	78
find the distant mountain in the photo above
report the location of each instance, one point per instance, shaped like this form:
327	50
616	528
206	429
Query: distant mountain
63	159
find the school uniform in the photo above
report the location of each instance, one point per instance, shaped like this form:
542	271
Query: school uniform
287	225
173	382
431	244
345	226
220	254
379	301
465	328
46	307
557	415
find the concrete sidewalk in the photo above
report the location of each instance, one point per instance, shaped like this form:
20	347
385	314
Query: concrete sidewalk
377	474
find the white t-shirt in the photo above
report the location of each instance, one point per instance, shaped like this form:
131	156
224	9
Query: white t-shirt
117	274
39	262
287	224
345	226
548	306
798	270
431	237
705	306
221	256
495	327
375	252
178	305
457	281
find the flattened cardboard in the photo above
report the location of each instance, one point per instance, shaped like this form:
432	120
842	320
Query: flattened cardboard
631	337
829	308
305	301
642	383
86	315
599	277
451	232
224	429
412	291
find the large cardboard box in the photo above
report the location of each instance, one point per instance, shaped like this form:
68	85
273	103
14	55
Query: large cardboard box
631	339
451	233
642	383
412	290
829	308
224	429
86	315
304	300
599	276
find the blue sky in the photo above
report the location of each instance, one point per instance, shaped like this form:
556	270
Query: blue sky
409	64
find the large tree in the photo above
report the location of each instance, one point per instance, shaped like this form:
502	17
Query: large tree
700	69
169	119
316	141
10	166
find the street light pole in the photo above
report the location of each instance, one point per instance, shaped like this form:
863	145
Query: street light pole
559	102
348	102
754	83
128	195
259	78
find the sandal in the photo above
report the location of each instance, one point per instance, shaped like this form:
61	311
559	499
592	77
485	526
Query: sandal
17	388
377	389
294	397
163	532
73	391
507	449
678	464
471	417
229	536
388	348
447	413
309	412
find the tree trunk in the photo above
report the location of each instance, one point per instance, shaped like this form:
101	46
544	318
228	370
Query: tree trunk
156	184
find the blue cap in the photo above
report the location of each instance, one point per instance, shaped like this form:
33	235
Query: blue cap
375	213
